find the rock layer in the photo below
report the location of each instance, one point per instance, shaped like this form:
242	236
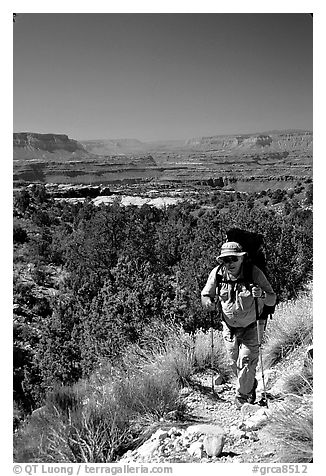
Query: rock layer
269	141
32	145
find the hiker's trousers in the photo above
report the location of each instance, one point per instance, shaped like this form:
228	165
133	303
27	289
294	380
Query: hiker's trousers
243	349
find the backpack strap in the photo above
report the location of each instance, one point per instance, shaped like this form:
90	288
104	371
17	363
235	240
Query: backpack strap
219	280
247	280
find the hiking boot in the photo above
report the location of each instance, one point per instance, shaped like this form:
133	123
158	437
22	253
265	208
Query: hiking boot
252	398
239	401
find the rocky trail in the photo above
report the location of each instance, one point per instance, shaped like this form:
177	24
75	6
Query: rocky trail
212	430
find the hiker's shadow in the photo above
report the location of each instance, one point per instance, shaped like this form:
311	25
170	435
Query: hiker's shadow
229	453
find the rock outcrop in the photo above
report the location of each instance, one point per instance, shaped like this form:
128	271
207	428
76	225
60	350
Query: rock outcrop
198	441
216	161
32	145
55	158
273	141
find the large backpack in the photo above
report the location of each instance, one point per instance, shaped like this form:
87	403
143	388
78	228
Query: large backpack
253	244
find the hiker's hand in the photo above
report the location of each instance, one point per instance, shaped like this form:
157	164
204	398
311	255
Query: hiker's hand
257	292
207	303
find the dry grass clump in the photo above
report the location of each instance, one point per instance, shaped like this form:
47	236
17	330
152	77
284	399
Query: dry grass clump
297	378
73	428
203	353
293	375
147	397
170	351
93	434
178	355
292	424
290	328
298	384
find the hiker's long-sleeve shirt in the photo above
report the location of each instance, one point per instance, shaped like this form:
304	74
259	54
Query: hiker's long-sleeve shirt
237	302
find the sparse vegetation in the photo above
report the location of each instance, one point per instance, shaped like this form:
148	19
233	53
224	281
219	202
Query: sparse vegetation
108	324
203	352
94	420
291	327
288	337
292	424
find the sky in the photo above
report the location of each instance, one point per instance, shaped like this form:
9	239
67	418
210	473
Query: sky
156	76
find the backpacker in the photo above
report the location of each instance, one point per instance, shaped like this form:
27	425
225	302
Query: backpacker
253	244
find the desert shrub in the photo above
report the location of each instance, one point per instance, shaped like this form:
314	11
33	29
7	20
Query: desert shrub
293	375
65	399
292	424
22	200
180	353
39	193
203	351
28	441
290	327
87	433
297	383
39	274
92	420
149	395
18	415
41	218
309	194
299	188
160	344
278	196
91	435
19	234
58	355
180	361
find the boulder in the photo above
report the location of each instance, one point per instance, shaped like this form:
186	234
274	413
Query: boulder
218	380
257	420
236	432
248	410
214	437
213	444
160	434
196	449
148	448
185	391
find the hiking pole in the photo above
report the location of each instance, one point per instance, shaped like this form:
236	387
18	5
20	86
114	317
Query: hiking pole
264	401
212	352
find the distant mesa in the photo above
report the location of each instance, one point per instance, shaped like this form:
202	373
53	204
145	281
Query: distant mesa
55	158
113	146
273	141
32	145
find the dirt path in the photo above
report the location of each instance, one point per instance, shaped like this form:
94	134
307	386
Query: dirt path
242	445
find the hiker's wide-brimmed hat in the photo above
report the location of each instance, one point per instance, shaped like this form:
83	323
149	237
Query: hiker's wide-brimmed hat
231	248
